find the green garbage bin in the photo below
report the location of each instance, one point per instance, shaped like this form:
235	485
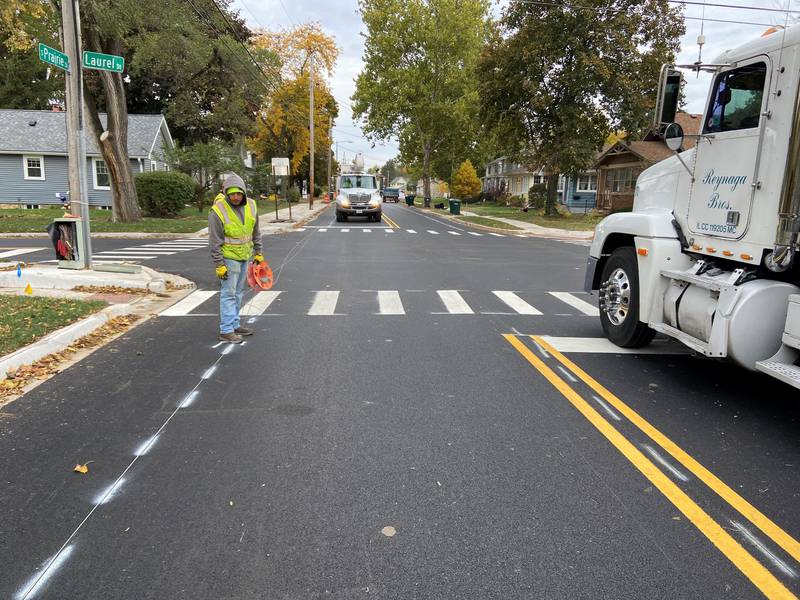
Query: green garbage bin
410	200
455	206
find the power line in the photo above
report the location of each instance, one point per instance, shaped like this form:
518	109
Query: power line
677	2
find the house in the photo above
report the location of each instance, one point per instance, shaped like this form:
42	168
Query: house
619	164
33	156
506	176
399	182
439	188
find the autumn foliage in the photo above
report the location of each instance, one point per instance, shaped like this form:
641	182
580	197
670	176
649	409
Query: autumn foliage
466	183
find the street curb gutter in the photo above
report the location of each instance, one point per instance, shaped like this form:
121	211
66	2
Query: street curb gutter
61	339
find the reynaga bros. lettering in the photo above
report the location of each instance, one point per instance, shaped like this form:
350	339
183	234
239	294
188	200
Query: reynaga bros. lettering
729	182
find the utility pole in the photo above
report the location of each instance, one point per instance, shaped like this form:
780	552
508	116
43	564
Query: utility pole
330	128
78	192
311	130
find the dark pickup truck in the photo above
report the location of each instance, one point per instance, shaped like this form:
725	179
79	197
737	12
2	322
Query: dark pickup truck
391	194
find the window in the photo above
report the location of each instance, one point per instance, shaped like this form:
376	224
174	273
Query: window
33	167
349	182
102	180
560	187
621	180
736	101
153	166
537	179
587	183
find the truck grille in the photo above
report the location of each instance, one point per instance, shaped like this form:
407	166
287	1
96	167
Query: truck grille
358	198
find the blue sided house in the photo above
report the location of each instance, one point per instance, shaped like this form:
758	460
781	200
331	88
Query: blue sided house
33	156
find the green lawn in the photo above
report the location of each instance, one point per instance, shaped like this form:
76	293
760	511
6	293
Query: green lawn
24	319
17	220
489	223
576	222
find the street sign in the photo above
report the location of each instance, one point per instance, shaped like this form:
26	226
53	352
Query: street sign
53	57
103	62
280	167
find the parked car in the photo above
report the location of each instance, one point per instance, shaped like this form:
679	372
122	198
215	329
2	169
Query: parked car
391	194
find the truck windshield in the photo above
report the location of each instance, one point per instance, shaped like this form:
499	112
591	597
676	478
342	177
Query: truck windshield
358	181
736	101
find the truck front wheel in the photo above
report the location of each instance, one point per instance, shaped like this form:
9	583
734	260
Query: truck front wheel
619	301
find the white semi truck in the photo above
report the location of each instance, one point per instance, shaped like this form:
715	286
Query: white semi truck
709	253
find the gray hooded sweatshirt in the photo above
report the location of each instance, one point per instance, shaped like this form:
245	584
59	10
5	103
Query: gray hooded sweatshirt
216	229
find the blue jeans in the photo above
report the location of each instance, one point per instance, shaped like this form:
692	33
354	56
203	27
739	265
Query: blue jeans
231	292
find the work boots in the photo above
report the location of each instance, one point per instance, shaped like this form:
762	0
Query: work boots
243	331
231	338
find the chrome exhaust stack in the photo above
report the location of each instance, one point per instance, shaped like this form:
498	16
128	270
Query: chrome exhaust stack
786	238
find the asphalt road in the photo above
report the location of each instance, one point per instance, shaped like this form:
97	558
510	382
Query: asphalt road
393	430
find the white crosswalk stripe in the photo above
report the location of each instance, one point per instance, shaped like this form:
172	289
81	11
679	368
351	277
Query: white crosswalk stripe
260	303
454	303
19	252
410	231
323	230
189	303
389	303
516	303
324	303
496	234
367	230
475	233
451	232
345	230
576	303
433	232
135	251
129	256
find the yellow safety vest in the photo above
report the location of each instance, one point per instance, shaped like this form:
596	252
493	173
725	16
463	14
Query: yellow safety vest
238	242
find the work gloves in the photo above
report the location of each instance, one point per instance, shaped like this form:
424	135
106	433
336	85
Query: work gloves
258	259
222	272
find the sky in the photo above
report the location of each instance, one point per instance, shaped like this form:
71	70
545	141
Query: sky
340	18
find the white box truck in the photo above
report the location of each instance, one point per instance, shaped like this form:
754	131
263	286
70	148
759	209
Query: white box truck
708	255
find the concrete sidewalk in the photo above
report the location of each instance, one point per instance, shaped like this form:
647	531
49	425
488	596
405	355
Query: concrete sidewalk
537	230
301	214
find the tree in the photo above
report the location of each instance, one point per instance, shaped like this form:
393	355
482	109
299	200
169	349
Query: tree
420	86
282	128
556	79
25	81
182	58
205	162
466	183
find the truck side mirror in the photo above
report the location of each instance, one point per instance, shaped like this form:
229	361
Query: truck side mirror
669	93
673	137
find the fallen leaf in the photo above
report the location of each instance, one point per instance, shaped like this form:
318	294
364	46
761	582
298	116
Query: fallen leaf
389	531
81	468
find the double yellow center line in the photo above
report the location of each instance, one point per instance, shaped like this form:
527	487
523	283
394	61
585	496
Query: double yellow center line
391	223
762	578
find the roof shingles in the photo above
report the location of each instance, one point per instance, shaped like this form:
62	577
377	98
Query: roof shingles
45	132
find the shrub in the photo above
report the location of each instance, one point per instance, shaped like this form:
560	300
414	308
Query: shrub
293	194
164	193
537	195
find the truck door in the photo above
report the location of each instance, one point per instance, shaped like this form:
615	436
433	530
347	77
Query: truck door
726	161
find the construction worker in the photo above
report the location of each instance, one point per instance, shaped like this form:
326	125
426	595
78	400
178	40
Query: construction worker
234	240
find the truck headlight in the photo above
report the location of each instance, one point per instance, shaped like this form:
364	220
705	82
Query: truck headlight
374	202
344	202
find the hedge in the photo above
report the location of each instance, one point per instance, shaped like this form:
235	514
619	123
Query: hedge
164	193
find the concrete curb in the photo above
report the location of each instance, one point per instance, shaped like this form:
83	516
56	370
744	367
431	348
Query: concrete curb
55	279
61	339
131	235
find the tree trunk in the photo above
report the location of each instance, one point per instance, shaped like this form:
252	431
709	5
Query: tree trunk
552	194
426	174
113	142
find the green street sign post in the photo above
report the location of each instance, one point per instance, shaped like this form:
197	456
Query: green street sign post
103	62
53	57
